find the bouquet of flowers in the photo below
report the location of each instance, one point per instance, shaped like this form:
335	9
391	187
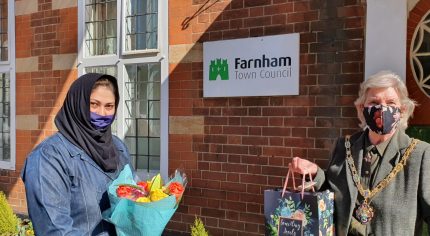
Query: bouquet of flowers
145	207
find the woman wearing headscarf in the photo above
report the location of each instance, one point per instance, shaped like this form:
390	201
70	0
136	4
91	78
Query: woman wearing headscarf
380	176
67	175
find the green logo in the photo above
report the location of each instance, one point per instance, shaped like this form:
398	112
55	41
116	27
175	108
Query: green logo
219	68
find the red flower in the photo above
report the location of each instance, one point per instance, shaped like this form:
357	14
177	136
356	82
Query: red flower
130	192
175	188
144	185
124	191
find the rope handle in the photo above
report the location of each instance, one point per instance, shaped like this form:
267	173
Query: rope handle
302	187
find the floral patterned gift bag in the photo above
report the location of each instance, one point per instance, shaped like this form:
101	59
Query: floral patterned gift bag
289	212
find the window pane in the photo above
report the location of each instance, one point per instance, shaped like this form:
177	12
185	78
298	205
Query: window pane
4	117
141	24
100	27
142	111
108	70
3	31
154	128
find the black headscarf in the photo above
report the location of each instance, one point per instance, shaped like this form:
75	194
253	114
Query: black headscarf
73	121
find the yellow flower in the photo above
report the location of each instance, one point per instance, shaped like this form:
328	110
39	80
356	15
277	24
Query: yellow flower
29	232
157	195
143	199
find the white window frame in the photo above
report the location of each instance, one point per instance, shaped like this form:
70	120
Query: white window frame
120	60
9	67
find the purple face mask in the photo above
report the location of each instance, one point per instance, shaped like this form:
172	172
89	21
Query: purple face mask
100	122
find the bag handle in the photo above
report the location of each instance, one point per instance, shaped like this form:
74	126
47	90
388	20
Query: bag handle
302	187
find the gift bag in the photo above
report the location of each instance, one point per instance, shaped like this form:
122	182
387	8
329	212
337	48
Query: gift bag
294	212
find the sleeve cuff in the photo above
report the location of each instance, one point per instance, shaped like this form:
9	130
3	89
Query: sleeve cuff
319	179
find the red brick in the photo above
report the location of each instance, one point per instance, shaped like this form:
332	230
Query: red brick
301	6
216	121
323	132
254	121
350	11
258	160
207	184
278	29
251	140
276	131
213	213
276	111
257	21
251	218
237	168
235	149
232	158
255	3
256	11
221	176
233	206
234	111
278	9
276	151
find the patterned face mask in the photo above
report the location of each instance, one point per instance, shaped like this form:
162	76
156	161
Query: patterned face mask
382	119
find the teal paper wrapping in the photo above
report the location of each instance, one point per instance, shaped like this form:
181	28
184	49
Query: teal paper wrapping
131	218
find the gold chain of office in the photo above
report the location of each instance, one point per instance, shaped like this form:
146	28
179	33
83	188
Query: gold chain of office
365	212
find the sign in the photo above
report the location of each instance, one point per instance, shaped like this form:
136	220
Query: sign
261	66
290	227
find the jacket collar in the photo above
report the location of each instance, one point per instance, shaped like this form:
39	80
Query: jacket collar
72	149
395	149
76	152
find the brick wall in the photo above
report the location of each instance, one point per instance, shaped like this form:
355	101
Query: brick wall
46	50
243	145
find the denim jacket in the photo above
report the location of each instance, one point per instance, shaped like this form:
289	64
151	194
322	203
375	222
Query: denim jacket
66	190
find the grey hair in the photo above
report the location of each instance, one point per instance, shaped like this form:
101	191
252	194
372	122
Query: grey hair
386	79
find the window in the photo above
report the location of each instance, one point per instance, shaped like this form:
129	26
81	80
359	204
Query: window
141	25
142	113
123	38
420	54
7	85
100	27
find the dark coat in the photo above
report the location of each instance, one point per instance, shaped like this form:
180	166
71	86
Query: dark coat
401	207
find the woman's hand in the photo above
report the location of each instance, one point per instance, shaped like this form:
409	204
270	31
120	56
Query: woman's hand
302	166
